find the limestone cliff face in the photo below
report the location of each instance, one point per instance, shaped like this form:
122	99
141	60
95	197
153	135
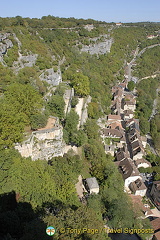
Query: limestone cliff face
98	47
43	144
51	77
5	44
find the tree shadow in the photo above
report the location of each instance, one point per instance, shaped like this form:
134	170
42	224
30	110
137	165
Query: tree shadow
18	220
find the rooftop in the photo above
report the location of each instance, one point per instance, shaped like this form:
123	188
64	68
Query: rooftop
92	183
112	133
127	168
114	117
141	161
137	185
156	224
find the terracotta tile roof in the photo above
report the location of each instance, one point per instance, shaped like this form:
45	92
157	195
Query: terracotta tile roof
118	93
156	224
157	235
115	88
138	205
131	102
123	85
115	125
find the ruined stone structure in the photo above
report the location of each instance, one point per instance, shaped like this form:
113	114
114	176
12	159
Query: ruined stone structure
43	144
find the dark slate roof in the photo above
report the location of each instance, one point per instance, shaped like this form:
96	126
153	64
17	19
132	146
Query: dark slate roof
137	185
112	133
127	168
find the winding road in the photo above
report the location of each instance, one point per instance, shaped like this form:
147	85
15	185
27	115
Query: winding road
136	55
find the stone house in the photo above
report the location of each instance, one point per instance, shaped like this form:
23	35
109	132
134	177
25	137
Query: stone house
155	193
121	155
138	187
92	185
116	107
128	171
137	150
129	105
133	124
109	149
156	226
142	163
128	114
113	118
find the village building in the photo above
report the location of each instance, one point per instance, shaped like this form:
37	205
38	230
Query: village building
129	105
156	226
129	172
115	125
92	185
133	124
140	208
138	187
121	155
155	193
113	118
109	149
142	163
128	114
137	150
116	107
134	135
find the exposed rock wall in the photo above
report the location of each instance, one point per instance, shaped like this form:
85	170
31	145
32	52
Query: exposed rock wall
81	110
68	95
43	144
51	77
5	44
99	47
84	115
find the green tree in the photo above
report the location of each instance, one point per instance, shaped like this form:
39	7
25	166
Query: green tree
70	128
38	121
144	125
56	106
80	84
93	110
131	86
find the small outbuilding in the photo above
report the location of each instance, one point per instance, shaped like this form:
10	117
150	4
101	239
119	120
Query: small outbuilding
92	185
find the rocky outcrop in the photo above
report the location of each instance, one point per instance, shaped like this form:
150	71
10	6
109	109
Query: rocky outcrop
68	95
81	110
43	144
5	44
51	77
84	115
25	61
99	47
